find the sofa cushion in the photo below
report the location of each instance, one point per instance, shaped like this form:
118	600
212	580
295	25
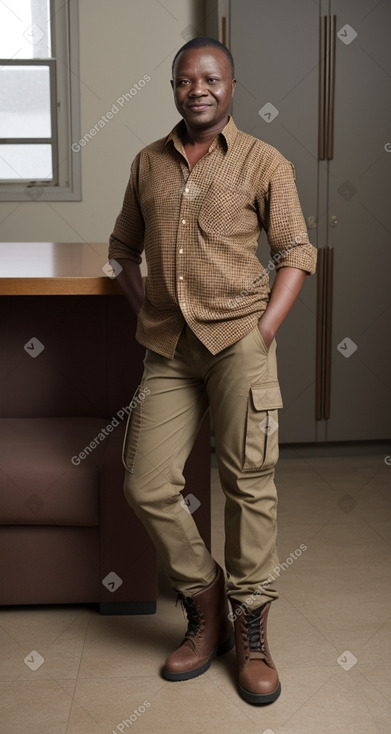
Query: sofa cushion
46	477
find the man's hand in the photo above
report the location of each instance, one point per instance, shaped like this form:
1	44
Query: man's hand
266	335
130	282
286	288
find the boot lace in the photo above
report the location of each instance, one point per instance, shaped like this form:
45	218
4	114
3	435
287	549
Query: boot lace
253	631
194	617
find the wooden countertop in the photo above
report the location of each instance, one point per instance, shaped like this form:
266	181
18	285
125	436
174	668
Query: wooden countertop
55	268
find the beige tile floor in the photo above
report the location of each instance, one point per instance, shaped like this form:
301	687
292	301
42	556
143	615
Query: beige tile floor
335	602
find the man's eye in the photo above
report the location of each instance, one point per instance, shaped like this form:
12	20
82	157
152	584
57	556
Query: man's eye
213	79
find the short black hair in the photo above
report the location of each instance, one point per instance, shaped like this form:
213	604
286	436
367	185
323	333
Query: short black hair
205	42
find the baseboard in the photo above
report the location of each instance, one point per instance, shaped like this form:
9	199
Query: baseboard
134	607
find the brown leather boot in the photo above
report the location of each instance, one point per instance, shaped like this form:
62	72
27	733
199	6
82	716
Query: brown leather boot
209	631
258	677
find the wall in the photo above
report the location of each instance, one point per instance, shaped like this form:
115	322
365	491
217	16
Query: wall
120	42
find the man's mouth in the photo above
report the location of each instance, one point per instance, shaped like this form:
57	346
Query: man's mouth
199	106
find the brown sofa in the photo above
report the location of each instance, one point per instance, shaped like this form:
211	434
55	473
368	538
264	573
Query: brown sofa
67	534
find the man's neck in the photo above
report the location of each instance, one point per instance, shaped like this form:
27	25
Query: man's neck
201	137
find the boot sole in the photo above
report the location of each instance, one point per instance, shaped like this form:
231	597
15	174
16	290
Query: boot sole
259	698
187	675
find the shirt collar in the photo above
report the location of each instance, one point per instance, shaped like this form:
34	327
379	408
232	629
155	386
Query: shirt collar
228	134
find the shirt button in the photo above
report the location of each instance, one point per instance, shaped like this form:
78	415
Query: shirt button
183	221
181	277
187	190
181	251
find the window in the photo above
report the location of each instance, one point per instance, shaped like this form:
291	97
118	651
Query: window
39	100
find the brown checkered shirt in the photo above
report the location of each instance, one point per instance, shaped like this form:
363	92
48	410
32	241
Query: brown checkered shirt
200	232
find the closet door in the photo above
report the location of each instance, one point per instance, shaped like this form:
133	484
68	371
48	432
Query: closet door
275	46
359	223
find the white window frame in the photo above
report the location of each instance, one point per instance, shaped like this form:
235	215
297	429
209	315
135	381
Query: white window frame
65	113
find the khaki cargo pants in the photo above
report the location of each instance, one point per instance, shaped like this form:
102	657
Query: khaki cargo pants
240	384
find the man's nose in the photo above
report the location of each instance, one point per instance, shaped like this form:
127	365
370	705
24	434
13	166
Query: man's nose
198	89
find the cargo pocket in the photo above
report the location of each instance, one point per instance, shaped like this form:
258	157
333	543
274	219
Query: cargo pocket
132	437
261	441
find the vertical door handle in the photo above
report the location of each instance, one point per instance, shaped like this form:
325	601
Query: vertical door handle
319	371
328	330
331	86
323	46
324	311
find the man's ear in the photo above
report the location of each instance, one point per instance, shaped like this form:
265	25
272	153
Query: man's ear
233	87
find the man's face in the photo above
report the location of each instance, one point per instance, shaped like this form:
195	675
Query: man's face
203	86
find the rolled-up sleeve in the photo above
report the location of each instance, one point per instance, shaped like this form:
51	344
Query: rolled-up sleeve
127	238
284	222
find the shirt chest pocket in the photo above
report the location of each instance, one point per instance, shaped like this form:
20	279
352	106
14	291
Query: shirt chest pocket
227	211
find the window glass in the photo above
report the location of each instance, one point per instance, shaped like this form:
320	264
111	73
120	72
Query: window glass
25	29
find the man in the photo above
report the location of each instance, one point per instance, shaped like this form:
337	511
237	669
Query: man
196	201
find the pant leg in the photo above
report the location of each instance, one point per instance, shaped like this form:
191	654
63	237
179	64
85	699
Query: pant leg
159	436
244	396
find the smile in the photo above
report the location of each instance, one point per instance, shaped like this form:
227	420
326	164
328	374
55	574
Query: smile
199	106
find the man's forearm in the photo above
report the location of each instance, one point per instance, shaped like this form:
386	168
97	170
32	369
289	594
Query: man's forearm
286	288
130	282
